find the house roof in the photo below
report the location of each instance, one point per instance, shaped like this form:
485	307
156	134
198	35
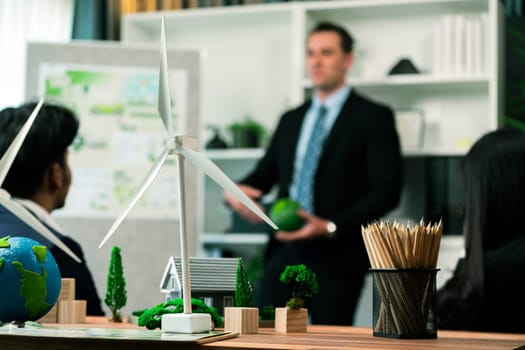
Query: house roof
208	274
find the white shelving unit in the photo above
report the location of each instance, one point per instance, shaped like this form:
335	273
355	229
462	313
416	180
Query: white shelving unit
254	65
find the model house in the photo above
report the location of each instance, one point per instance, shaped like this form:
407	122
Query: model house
213	280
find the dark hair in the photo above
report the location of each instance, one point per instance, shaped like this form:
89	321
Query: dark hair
494	173
347	42
53	131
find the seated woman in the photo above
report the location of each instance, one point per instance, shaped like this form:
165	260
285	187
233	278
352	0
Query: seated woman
487	290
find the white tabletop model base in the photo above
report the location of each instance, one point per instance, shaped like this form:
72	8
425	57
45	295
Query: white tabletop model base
186	323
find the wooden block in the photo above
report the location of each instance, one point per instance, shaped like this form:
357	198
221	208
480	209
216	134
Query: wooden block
241	319
67	291
72	311
51	316
290	320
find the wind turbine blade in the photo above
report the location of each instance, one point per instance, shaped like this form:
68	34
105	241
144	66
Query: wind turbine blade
142	188
164	104
206	165
23	214
9	156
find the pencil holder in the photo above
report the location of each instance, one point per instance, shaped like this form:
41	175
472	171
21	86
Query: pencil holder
404	303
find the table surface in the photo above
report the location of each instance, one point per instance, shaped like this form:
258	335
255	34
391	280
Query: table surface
317	337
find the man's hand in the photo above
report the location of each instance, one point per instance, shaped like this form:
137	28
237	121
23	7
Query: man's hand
313	227
240	208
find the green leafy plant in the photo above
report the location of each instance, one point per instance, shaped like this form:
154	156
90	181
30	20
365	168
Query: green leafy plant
303	283
151	318
243	287
116	296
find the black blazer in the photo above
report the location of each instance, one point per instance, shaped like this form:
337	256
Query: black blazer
359	176
503	305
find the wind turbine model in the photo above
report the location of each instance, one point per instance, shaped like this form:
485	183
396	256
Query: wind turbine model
182	147
5	198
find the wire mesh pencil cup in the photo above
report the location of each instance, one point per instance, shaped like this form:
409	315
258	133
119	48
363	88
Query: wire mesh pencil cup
403	261
404	303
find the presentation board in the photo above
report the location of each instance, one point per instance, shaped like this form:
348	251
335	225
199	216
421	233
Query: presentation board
113	90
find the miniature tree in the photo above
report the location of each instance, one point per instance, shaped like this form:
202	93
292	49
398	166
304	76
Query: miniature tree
243	288
116	296
303	283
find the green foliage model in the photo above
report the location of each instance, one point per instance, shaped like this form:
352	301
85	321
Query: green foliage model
151	318
116	296
243	288
303	283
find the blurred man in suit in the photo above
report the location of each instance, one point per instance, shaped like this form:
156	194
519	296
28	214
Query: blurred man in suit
338	155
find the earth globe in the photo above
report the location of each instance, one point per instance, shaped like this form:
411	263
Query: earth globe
29	279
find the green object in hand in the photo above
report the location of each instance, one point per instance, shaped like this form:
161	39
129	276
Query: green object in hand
284	214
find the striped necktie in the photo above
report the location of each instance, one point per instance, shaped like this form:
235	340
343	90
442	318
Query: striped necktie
305	184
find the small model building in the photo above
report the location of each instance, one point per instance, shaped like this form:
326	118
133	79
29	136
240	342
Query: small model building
66	309
213	280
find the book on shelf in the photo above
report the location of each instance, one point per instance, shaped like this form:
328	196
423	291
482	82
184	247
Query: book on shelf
170	4
460	45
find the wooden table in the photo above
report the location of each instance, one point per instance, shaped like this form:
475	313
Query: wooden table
353	338
317	337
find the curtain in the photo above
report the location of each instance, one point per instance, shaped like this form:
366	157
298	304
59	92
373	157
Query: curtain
96	20
20	23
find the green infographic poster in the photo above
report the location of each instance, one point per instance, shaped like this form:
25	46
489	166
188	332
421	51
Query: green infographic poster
121	134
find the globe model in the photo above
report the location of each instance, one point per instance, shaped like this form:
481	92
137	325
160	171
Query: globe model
29	279
284	214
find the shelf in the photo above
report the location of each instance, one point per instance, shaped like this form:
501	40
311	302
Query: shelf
235	153
437	151
256	153
229	239
199	18
417	81
457	110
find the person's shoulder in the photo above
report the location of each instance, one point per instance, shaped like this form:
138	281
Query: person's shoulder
356	97
14	226
506	259
373	110
509	253
296	112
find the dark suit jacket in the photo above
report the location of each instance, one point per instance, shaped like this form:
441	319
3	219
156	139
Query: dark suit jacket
84	285
358	179
503	305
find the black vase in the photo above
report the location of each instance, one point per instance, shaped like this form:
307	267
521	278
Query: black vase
244	138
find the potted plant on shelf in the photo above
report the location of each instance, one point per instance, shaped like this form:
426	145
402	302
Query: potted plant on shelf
303	283
247	133
244	317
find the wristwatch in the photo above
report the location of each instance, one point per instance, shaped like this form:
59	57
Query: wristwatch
331	228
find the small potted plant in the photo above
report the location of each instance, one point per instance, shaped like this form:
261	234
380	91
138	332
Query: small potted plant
247	133
303	283
244	317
